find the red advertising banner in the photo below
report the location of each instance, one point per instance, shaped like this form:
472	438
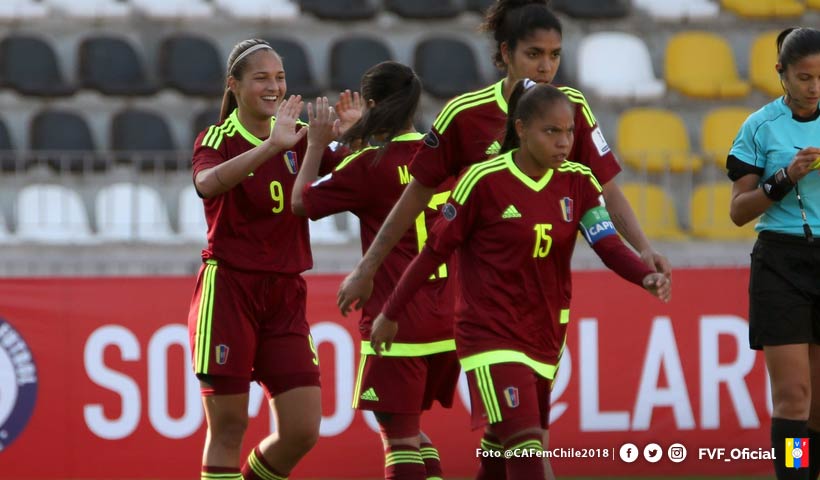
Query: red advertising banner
96	383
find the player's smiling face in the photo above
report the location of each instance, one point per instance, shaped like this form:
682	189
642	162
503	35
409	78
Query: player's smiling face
546	139
536	57
262	85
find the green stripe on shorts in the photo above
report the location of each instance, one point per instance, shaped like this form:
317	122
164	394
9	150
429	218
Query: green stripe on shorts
204	318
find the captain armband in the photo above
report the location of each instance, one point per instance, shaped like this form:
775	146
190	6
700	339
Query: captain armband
778	185
596	224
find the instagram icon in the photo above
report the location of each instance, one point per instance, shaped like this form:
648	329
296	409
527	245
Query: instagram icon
676	452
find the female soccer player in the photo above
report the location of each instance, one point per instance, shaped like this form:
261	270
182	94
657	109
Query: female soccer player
770	164
422	366
247	316
514	219
528	39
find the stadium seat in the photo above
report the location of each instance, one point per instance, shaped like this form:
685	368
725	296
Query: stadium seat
5	236
447	66
423	9
341	10
192	224
588	9
91	9
297	67
678	10
814	4
28	65
709	213
8	159
762	59
350	57
62	139
763	9
617	66
128	212
51	214
256	10
479	6
22	10
701	64
718	131
655	211
110	65
174	9
143	139
191	65
203	120
655	141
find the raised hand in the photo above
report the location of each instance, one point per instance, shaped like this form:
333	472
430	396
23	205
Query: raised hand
283	135
349	109
324	126
658	285
803	163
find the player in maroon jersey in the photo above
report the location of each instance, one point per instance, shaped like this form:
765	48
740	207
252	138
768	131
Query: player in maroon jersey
514	220
422	365
247	316
469	128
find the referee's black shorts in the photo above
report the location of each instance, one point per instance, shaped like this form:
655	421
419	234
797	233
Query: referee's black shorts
784	291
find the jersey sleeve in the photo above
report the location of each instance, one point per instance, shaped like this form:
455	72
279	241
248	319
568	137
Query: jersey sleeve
344	189
746	156
590	147
205	155
436	159
455	222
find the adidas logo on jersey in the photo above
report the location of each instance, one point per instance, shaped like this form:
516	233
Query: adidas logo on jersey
511	212
370	395
493	149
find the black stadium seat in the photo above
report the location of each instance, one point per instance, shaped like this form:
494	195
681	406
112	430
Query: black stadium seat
143	138
297	68
191	65
593	8
28	65
62	139
203	120
479	6
447	66
350	57
7	157
340	10
111	66
423	9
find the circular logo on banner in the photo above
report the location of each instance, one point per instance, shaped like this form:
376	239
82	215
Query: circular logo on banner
18	384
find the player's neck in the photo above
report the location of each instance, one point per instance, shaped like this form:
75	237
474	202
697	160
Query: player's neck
527	164
258	126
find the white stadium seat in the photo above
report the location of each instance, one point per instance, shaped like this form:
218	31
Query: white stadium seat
17	10
256	10
129	212
51	214
174	9
324	232
91	9
678	10
192	224
617	66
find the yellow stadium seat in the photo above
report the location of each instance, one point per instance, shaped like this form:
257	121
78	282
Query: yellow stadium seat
655	211
709	214
701	64
718	131
762	59
765	8
813	4
655	141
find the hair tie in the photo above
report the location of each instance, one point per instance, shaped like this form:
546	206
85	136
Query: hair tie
528	84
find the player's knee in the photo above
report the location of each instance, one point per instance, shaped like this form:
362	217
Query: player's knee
302	437
229	432
792	400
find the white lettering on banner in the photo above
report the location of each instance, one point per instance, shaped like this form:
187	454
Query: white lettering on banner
560	384
592	418
123	385
662	352
163	339
343	361
713	373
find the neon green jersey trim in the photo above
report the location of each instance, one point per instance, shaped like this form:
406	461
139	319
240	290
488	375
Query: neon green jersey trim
412	349
493	357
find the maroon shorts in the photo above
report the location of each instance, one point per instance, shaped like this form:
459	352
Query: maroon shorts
252	326
508	392
406	384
